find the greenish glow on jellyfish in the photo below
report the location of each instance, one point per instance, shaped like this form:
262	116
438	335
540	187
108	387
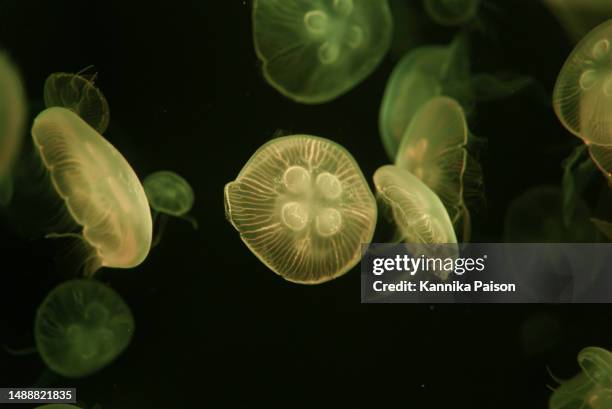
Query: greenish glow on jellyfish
303	207
79	94
315	51
451	12
582	96
169	194
418	213
81	327
99	188
578	17
590	389
12	123
422	74
433	149
537	216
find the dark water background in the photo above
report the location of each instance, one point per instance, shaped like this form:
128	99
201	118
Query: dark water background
213	324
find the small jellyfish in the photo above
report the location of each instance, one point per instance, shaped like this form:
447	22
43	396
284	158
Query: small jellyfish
169	194
452	12
417	212
79	94
582	96
12	123
315	51
99	188
303	207
433	149
81	327
590	389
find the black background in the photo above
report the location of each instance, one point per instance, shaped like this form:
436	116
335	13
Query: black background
213	324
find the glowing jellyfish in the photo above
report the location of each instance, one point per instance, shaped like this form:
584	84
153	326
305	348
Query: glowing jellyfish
12	121
169	194
433	149
79	94
303	207
590	389
436	70
578	17
582	97
101	191
81	327
315	51
418	213
452	12
537	216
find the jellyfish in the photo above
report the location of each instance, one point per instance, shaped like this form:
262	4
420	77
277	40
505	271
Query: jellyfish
434	149
418	213
582	97
79	94
12	123
452	12
81	327
537	216
100	190
603	226
313	52
303	207
578	17
578	170
590	389
169	194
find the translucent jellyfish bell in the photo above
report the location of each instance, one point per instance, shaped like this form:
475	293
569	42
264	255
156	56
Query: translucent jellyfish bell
418	213
100	189
81	327
422	74
80	95
592	388
169	194
452	12
12	122
315	51
303	207
433	149
582	96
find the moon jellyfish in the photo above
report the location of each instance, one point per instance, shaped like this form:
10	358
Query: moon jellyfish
80	95
418	213
315	51
451	12
537	216
12	122
436	70
582	96
592	388
169	194
433	149
99	188
303	207
81	327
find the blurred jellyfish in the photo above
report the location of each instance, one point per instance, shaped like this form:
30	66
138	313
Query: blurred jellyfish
578	17
537	216
99	188
433	149
303	207
81	327
604	227
590	389
452	12
418	213
315	51
431	71
12	122
80	95
582	96
169	194
578	170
